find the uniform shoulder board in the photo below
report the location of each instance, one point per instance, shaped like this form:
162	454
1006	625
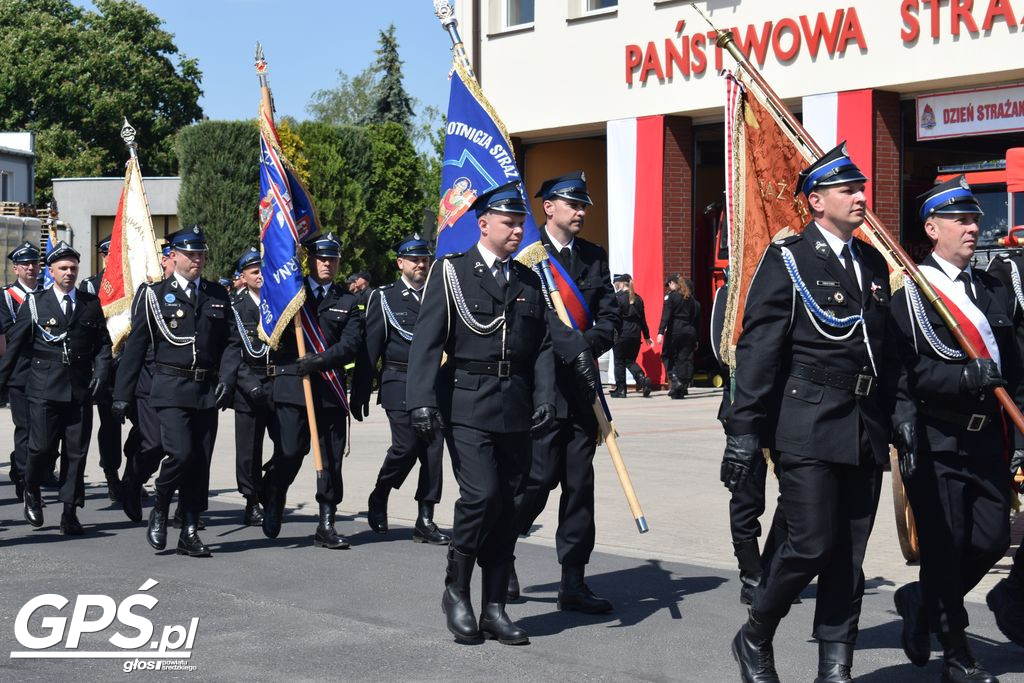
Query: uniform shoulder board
387	286
454	255
786	241
666	297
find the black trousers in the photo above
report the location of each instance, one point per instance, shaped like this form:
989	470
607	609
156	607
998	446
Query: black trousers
406	450
491	470
249	430
19	416
188	436
108	437
143	449
962	508
625	358
829	510
747	505
51	424
564	457
683	342
293	426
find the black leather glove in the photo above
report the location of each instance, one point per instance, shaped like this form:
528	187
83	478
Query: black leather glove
543	419
223	395
978	374
259	397
426	422
738	459
1016	461
95	387
905	440
310	363
359	409
119	409
587	378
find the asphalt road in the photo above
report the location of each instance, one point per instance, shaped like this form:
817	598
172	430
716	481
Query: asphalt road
284	610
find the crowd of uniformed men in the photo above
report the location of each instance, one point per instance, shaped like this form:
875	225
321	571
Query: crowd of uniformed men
831	368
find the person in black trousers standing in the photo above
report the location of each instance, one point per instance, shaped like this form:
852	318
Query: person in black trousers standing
634	331
677	334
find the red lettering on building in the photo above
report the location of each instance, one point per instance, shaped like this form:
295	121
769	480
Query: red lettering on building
821	32
960	11
851	32
786	54
998	8
911	26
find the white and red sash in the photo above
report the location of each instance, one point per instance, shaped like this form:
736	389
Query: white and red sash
971	319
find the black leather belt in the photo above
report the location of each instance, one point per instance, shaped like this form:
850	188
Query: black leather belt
68	359
860	385
395	365
498	368
265	370
972	422
197	374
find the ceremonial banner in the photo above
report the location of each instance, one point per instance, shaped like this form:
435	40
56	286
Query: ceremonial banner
51	242
133	258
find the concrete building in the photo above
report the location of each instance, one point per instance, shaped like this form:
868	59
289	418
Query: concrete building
17	167
88	206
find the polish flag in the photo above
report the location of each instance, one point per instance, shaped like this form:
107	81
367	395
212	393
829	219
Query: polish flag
833	117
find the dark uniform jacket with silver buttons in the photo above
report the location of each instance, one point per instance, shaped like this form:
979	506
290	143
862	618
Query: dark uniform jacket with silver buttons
483	401
9	305
204	316
387	345
818	419
342	326
91	284
59	371
247	370
935	381
1000	267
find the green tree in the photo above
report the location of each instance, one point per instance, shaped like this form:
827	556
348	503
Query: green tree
392	104
71	75
219	166
348	103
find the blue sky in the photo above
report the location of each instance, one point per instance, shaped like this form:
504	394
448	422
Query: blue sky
305	42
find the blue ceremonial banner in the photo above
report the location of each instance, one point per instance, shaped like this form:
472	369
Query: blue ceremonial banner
287	218
477	157
51	242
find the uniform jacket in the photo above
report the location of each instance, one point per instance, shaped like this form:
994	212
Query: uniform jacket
59	371
342	325
934	381
386	344
12	294
679	316
486	402
91	284
1000	268
589	270
797	415
247	371
634	318
205	317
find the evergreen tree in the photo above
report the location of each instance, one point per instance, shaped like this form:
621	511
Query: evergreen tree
392	104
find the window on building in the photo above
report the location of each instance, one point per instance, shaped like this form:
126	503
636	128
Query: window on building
601	4
520	12
5	187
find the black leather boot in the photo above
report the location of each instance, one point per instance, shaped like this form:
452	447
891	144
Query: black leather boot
455	602
426	531
156	533
113	486
1006	600
179	519
959	665
326	536
748	556
646	389
253	515
619	391
69	524
914	636
835	660
575	596
273	511
189	542
512	594
377	510
34	508
494	622
752	649
131	497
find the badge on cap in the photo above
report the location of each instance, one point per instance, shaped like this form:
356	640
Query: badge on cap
195	229
963	183
169	298
583	176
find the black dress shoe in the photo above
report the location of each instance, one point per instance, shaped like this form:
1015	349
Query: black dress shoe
1006	600
33	508
113	487
618	392
326	536
959	664
273	511
69	524
426	531
835	662
455	602
189	542
495	624
377	511
914	635
131	498
156	533
179	520
253	513
575	596
752	650
647	387
513	593
19	489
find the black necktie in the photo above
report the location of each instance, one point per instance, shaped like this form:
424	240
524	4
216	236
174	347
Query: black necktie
848	264
319	294
67	307
966	279
499	275
565	258
190	290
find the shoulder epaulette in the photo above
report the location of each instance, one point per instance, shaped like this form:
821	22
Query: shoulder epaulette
387	286
786	241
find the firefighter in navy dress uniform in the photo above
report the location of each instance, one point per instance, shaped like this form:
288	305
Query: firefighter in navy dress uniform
487	312
819	378
391	314
342	326
63	334
634	332
957	478
184	320
25	258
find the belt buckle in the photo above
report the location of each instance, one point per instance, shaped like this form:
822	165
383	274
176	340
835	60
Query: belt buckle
200	374
271	370
504	368
976	423
864	385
